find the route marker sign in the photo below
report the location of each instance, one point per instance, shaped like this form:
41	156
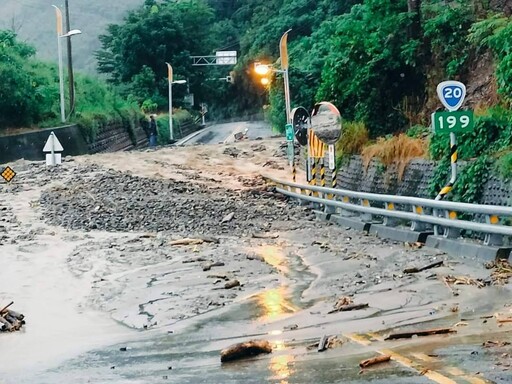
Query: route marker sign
452	94
456	122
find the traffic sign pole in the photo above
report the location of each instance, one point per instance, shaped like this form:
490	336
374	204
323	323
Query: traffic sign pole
451	94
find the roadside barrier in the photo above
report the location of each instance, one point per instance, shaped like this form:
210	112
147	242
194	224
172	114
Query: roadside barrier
489	222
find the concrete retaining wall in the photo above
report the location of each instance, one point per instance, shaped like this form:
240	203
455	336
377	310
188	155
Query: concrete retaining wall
30	145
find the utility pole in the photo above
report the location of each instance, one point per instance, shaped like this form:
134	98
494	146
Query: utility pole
70	64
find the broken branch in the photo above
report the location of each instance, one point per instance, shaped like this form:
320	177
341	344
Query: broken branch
374	360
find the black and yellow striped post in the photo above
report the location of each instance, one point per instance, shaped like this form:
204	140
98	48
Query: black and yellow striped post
453	160
448	187
322	174
294	172
313	174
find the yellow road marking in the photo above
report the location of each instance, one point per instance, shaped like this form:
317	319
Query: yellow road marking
424	357
474	380
432	375
358	338
471	379
375	336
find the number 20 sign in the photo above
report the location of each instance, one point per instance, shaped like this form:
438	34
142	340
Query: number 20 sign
452	94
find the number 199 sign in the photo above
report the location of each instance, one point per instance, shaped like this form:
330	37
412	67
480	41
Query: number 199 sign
452	94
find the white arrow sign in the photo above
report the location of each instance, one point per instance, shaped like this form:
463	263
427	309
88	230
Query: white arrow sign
53	144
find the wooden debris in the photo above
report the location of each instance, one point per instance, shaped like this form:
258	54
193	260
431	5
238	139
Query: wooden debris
427	332
7	306
503	318
350	307
207	267
502	271
429	266
232	284
196	260
187	241
223	277
416	245
374	360
265	235
322	345
195	241
497	344
461	324
330	343
463	280
343	301
10	320
247	349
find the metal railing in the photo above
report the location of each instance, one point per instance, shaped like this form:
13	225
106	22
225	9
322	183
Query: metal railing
444	217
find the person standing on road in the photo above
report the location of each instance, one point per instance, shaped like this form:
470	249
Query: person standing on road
152	131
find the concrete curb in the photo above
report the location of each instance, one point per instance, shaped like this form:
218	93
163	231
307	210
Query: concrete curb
456	247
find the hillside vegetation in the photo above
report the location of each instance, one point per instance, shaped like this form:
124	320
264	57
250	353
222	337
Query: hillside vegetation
34	23
378	61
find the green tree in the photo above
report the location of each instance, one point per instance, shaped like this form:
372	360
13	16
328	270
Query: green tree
29	91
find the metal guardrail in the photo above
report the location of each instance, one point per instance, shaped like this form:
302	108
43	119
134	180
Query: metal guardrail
446	218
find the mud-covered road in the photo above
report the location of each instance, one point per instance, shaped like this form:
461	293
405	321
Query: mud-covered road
92	252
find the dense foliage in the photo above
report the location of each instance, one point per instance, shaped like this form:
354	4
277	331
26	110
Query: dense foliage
29	91
379	61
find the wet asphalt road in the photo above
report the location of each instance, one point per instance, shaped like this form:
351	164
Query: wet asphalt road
224	133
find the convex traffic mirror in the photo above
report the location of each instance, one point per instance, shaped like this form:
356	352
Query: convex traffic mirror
326	122
300	122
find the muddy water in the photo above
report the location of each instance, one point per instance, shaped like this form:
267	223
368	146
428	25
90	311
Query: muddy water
191	354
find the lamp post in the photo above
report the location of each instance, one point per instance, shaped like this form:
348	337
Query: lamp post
171	82
61	70
264	69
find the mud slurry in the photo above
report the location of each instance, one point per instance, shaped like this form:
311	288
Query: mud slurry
173	303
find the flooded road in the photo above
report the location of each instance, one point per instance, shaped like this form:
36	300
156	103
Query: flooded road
122	303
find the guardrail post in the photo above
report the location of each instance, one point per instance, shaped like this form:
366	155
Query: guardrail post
366	217
417	226
492	238
390	221
450	232
344	212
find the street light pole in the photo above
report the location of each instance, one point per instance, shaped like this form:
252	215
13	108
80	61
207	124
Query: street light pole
283	48
61	72
70	64
169	76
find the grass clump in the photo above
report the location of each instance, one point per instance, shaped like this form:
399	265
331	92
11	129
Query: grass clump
398	150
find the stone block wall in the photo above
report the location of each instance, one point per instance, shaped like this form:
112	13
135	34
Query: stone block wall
415	181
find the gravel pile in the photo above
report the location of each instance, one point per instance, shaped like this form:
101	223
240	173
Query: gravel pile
115	201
